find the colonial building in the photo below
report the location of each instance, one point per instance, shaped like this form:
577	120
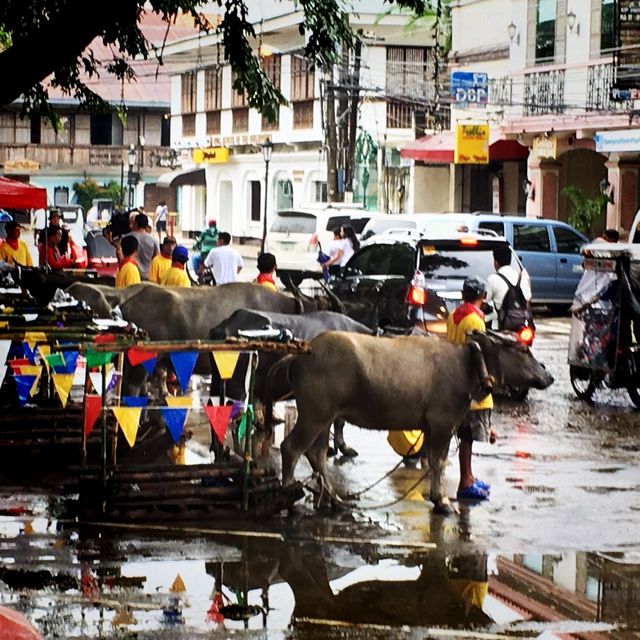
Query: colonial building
218	136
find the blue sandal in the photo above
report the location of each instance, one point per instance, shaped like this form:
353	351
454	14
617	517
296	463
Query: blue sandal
473	492
483	485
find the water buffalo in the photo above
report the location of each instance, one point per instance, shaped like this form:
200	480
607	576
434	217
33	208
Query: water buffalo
302	327
103	298
405	383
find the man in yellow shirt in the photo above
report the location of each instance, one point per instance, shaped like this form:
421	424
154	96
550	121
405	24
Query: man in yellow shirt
128	273
177	276
13	250
477	423
161	263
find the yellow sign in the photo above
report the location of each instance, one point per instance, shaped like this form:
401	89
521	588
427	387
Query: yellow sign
21	165
545	147
471	144
212	155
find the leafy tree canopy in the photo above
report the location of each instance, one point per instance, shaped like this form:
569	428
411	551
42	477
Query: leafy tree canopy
89	189
50	39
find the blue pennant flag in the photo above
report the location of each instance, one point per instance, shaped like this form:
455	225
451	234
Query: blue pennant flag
183	364
150	365
24	384
28	353
70	359
135	401
175	419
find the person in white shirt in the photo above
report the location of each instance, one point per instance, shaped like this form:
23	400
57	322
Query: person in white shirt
334	249
350	243
224	261
162	212
497	288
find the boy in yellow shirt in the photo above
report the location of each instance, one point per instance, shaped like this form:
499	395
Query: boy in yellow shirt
267	268
176	276
161	263
128	273
477	423
13	250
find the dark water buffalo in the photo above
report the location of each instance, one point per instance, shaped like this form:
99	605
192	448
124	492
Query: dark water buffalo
405	383
302	327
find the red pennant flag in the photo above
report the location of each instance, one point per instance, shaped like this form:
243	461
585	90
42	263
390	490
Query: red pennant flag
104	338
219	418
92	408
138	356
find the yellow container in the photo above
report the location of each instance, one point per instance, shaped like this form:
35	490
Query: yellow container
406	443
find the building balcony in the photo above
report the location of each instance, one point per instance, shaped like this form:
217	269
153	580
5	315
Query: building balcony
543	92
601	94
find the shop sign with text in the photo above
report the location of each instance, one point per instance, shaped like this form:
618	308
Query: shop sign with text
622	140
471	144
211	155
545	147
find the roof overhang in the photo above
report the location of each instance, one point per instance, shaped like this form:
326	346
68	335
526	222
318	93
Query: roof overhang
181	177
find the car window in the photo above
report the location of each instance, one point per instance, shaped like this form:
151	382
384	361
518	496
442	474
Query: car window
374	260
445	264
294	223
567	241
531	237
337	221
498	227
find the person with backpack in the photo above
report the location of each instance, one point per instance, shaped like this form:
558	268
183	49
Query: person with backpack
509	293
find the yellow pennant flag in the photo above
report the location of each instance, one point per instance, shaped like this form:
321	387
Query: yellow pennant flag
226	362
63	383
33	337
179	401
129	419
123	618
45	350
178	585
32	370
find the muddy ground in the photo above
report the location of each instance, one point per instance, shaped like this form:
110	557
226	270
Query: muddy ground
555	552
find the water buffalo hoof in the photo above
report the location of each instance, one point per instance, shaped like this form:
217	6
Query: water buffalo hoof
348	452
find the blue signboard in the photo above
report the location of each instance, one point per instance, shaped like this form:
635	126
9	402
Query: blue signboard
469	88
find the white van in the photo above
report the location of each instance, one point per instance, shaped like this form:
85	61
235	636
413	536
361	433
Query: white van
297	234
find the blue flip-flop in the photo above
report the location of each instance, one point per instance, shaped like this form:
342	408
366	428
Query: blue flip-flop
483	485
473	492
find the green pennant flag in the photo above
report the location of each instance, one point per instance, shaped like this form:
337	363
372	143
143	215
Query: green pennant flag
247	415
98	358
55	360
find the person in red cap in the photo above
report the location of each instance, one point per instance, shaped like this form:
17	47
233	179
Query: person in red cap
13	250
206	241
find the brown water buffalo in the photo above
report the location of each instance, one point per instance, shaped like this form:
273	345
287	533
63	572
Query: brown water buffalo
405	383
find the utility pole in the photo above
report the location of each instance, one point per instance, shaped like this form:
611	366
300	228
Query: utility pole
353	115
332	143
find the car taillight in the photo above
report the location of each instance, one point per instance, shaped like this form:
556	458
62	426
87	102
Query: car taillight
416	296
469	242
313	243
526	335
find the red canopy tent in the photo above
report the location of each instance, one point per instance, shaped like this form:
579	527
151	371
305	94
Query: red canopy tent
18	195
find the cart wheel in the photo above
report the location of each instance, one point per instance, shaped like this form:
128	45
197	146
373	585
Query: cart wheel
582	383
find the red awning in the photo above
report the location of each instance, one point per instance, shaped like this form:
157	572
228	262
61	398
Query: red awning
19	195
438	149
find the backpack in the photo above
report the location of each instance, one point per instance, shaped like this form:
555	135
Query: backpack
515	312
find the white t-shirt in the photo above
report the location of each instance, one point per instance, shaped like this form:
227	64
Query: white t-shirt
161	213
347	252
497	289
333	247
224	262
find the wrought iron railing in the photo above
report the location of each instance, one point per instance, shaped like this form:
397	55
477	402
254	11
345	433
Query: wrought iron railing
501	90
543	92
600	89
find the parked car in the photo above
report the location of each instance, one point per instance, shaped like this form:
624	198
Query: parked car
379	285
297	234
549	249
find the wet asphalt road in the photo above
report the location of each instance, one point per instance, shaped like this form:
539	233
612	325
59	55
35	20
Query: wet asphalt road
556	550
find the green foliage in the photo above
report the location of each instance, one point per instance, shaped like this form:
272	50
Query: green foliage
89	189
49	39
584	211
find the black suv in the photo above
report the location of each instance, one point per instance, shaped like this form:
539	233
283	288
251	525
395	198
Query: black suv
390	281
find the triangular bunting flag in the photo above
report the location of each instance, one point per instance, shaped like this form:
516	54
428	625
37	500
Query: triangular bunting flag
174	419
135	401
129	419
226	362
23	385
17	363
92	407
43	351
70	360
32	370
33	337
183	363
138	356
98	358
219	418
5	345
236	408
178	585
3	373
57	362
149	365
63	383
96	378
179	401
247	418
29	353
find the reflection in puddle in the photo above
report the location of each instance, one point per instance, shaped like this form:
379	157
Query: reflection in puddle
100	583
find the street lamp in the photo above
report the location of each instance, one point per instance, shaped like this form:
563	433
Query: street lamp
131	159
267	149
